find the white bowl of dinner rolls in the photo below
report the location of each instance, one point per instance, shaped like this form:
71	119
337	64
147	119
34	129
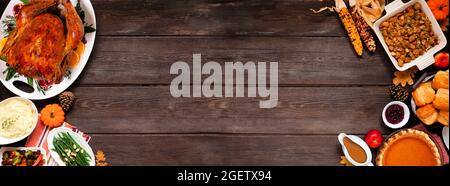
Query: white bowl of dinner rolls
430	100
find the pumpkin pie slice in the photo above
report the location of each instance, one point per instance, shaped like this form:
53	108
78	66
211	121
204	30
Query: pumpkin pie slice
409	147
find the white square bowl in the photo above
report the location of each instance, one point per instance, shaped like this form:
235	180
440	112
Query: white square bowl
427	58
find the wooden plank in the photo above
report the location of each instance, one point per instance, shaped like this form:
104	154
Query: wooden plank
301	110
302	60
279	150
251	17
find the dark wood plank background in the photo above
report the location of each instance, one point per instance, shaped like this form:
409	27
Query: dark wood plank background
125	104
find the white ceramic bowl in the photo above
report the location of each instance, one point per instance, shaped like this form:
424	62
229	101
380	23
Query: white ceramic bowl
427	58
83	144
75	72
43	152
5	141
405	117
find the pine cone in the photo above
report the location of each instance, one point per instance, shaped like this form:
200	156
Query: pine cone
66	100
399	93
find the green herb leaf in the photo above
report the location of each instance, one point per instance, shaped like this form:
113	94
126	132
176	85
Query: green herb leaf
8	122
9	24
10	73
25	1
30	81
89	29
80	12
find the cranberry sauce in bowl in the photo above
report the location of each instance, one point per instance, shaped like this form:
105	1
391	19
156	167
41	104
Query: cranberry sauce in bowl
395	114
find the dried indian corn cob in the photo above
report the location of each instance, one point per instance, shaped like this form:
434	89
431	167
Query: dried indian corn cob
365	32
349	25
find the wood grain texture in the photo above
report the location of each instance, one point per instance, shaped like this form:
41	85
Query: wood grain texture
310	61
218	149
301	110
123	97
218	17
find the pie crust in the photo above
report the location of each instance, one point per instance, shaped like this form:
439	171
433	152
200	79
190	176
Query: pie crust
405	134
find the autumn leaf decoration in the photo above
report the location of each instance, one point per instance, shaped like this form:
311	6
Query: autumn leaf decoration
404	77
100	159
344	161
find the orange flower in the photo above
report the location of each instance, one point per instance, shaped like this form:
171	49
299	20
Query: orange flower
439	8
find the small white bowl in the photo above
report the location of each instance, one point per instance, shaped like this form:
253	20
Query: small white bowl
405	117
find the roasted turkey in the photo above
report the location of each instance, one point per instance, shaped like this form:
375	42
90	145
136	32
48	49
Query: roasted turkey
42	44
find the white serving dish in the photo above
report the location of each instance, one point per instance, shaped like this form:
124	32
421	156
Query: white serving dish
54	132
445	136
75	72
359	142
43	152
427	58
405	117
5	141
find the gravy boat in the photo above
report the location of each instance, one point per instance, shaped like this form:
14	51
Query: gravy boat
358	141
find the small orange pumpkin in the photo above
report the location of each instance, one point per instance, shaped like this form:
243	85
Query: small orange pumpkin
52	115
439	8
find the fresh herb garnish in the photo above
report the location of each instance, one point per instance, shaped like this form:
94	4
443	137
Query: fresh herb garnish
30	81
25	1
8	122
68	74
10	73
9	24
89	29
39	88
82	14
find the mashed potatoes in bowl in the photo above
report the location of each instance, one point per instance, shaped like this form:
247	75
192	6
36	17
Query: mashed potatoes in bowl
18	118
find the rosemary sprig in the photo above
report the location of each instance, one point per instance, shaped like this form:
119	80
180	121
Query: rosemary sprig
30	81
39	88
82	14
10	73
9	24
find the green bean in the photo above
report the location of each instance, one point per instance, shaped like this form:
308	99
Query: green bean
64	141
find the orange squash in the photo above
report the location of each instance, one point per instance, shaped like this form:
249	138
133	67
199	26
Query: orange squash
52	115
439	8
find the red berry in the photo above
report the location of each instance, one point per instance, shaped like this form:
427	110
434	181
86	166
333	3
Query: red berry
17	8
45	84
